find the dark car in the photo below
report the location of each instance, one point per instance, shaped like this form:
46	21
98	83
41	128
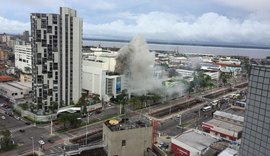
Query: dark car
21	130
51	141
28	123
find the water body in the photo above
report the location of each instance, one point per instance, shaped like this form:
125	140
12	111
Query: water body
230	51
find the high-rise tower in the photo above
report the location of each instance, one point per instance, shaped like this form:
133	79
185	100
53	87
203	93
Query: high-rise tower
256	133
56	65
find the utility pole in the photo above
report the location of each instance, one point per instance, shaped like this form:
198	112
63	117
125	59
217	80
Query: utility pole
180	119
51	126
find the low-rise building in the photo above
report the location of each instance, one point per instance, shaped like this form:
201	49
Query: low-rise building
3	55
192	143
225	125
185	73
24	77
15	90
228	152
127	137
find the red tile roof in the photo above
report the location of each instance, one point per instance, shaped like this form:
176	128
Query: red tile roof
5	78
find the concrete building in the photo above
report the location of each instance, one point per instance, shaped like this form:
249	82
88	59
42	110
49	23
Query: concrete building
25	36
3	55
23	57
185	73
256	136
56	49
5	38
191	143
98	75
228	152
225	125
25	77
126	137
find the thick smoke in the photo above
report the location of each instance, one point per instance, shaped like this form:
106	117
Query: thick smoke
137	63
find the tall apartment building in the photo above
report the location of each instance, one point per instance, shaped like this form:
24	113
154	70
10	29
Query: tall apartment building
23	57
56	48
256	136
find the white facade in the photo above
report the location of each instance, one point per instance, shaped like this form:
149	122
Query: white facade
56	48
96	78
23	57
184	72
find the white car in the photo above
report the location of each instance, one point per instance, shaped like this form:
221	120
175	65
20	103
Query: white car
3	117
41	142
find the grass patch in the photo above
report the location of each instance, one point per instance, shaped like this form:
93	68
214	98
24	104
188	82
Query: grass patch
109	116
8	148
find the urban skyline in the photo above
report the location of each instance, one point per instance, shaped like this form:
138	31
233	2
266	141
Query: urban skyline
63	95
207	21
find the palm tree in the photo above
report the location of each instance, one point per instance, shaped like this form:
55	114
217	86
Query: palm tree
27	69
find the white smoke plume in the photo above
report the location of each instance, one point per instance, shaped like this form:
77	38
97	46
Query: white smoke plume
137	63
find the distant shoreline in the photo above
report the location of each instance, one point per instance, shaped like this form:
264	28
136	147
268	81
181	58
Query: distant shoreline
185	44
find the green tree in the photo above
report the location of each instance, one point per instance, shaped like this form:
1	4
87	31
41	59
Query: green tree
5	141
74	120
64	119
27	69
24	106
53	107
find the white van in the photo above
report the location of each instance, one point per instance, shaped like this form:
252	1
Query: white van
214	103
206	108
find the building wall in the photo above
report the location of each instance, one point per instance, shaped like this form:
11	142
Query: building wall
221	132
92	77
137	141
182	149
3	55
179	151
255	140
26	78
23	57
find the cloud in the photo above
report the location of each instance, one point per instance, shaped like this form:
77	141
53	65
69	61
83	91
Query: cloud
248	5
13	26
208	27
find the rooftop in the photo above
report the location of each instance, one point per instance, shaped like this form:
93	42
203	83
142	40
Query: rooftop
126	123
225	125
5	78
196	139
236	112
228	152
229	116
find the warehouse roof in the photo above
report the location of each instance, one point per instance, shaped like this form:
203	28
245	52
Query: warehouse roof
196	139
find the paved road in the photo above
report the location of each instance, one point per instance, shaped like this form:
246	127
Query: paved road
10	123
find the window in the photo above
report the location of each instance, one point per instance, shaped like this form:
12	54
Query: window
123	142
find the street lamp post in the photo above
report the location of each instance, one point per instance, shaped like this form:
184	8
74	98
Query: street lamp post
86	128
33	145
51	126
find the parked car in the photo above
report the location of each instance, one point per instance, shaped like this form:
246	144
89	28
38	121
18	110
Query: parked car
21	130
51	141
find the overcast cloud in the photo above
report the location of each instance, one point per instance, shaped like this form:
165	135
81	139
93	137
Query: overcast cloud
225	21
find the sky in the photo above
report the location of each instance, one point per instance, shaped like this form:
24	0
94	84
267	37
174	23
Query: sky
209	21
